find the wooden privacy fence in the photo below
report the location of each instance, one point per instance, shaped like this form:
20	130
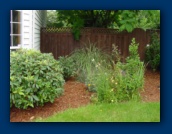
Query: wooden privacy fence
60	41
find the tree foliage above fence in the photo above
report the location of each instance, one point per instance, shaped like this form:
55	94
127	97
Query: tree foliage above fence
117	19
146	19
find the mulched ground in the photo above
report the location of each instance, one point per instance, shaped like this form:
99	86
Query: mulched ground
151	91
77	95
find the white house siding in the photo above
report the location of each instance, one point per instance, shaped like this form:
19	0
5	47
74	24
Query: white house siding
38	22
27	29
32	21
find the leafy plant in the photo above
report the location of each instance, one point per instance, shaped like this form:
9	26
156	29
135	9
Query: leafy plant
68	65
121	83
148	19
76	28
127	20
116	19
153	52
129	77
35	78
105	92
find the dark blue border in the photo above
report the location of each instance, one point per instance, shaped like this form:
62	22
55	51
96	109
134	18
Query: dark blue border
166	51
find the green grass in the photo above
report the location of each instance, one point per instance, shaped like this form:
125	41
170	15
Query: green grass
121	112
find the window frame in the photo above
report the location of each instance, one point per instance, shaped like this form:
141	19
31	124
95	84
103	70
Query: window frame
12	35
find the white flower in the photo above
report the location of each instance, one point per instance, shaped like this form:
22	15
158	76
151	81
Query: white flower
147	45
93	60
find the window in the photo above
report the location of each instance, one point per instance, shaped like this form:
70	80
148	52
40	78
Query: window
15	29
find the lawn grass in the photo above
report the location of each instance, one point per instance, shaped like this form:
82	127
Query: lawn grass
121	112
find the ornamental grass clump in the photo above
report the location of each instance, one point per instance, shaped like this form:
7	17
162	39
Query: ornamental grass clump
35	78
87	61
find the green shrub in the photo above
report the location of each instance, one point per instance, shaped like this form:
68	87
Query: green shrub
129	77
123	82
153	52
68	65
35	78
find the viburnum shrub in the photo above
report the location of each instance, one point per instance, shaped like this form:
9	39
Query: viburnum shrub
35	78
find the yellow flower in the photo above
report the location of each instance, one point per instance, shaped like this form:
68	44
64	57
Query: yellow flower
111	100
89	84
116	83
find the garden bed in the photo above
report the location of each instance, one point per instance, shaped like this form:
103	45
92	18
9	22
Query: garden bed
151	91
76	95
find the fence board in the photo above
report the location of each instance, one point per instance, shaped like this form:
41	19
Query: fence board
60	41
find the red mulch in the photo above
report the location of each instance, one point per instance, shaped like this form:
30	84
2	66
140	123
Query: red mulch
151	91
76	95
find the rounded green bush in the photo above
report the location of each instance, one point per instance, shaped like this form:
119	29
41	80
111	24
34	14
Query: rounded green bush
153	52
35	78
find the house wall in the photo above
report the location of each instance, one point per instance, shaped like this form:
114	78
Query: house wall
32	21
27	29
38	22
